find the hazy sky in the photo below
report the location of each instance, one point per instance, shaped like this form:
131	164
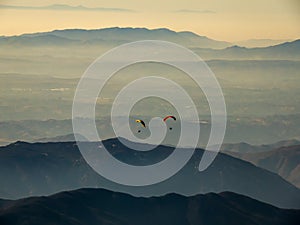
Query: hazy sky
229	20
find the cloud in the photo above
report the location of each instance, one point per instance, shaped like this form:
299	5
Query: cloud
194	11
66	8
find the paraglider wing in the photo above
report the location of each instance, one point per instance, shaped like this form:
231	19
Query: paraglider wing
169	117
142	122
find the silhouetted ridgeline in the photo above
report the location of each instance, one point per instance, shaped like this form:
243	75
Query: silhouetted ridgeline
98	206
47	168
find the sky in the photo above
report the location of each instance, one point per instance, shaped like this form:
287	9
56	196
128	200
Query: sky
228	20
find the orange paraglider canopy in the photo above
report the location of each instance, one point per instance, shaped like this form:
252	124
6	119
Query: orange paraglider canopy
169	117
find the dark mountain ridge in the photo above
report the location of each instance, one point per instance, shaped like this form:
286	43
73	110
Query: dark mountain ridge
47	168
99	206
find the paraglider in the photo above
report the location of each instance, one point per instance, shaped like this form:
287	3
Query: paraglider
169	117
141	122
165	119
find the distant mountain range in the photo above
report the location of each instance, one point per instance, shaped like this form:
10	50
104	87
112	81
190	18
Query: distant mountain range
284	161
98	206
259	43
112	36
46	168
241	148
207	48
287	50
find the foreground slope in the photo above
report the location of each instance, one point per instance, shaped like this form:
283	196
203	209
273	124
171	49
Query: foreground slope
98	206
46	168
